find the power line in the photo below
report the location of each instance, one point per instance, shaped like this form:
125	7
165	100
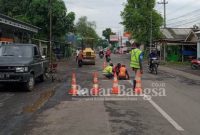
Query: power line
190	22
184	15
183	20
182	7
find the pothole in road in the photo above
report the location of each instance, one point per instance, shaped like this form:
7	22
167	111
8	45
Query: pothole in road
123	121
44	97
189	81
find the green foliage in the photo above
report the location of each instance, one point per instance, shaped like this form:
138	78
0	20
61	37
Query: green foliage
86	29
173	53
103	43
137	19
106	33
36	12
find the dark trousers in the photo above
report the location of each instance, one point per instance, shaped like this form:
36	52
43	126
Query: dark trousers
109	76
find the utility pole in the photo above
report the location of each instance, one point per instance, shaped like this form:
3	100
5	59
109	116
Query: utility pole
151	33
50	31
164	3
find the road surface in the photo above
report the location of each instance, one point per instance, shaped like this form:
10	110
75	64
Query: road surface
172	110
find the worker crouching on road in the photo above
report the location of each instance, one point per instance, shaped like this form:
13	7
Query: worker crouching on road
108	71
123	73
136	61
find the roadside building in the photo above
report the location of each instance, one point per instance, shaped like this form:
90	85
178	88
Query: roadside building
15	31
177	44
12	30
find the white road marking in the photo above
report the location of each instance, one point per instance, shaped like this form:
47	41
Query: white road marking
163	113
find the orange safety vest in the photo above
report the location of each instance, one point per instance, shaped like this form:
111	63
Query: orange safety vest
122	72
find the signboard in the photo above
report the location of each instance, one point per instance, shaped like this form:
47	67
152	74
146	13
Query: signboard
6	39
127	34
114	38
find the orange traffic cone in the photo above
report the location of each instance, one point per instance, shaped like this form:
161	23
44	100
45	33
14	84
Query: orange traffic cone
73	91
95	89
104	65
138	85
115	88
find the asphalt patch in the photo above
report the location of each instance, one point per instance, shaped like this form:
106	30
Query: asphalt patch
44	97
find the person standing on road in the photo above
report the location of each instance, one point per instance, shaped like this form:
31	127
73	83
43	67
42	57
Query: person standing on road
77	53
80	58
136	61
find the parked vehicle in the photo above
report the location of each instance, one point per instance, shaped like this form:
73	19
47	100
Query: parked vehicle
22	63
195	64
153	66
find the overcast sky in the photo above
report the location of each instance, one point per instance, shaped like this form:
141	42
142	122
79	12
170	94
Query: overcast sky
106	13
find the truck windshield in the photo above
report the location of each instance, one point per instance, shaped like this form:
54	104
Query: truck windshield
15	51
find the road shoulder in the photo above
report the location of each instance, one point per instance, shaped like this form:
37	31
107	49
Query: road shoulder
179	73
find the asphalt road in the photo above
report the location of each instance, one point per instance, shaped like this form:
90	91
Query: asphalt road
172	110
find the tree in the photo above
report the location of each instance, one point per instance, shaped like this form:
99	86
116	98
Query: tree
103	43
137	20
106	33
86	29
36	12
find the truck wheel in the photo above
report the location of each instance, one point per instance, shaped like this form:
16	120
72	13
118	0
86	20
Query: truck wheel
29	85
93	63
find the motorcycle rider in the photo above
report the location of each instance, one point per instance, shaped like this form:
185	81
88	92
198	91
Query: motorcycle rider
101	53
152	56
108	53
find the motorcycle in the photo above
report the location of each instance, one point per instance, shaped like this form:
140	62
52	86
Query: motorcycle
153	66
195	64
101	55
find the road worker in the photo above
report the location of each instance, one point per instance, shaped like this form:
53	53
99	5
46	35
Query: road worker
117	68
123	73
108	71
136	61
80	58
